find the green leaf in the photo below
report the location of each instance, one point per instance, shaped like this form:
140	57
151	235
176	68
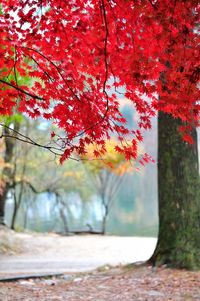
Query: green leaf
8	120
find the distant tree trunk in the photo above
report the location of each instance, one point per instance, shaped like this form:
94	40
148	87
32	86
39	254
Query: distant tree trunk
7	173
18	199
64	220
3	195
104	225
17	203
25	217
61	206
105	215
179	198
15	210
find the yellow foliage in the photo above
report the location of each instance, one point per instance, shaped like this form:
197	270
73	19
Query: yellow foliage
77	175
110	159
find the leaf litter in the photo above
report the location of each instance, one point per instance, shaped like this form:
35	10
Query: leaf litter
122	283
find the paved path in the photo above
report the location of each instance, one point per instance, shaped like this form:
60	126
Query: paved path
56	254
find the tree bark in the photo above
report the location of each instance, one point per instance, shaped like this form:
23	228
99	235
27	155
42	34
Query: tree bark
179	197
18	200
7	173
105	204
3	195
61	206
64	220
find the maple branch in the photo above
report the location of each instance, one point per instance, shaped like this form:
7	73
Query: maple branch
57	151
115	19
56	67
105	52
106	74
15	74
14	66
73	93
45	72
23	138
118	92
50	148
21	90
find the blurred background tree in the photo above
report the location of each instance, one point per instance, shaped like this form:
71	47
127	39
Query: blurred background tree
106	175
89	195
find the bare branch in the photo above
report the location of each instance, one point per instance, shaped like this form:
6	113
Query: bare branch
57	151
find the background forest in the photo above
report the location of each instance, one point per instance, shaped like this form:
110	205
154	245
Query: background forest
45	196
80	195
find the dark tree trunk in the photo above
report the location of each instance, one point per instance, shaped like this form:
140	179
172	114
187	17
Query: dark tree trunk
25	218
179	198
104	224
3	195
7	173
64	220
18	200
105	215
61	206
15	210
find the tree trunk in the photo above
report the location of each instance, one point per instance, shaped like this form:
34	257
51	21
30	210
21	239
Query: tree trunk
105	216
179	198
3	195
25	217
16	206
104	225
61	206
64	220
18	200
7	173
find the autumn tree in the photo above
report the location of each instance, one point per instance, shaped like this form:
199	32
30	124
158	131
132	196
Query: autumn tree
106	175
9	127
28	182
80	54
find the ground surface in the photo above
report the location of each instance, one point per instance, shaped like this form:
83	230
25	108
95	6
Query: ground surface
120	284
46	253
36	253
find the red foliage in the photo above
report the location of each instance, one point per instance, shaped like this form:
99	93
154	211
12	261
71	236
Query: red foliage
81	52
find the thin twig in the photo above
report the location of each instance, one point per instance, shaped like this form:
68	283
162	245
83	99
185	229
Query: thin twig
23	138
105	52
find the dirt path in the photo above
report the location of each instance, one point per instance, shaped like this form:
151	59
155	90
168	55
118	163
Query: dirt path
53	253
33	253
